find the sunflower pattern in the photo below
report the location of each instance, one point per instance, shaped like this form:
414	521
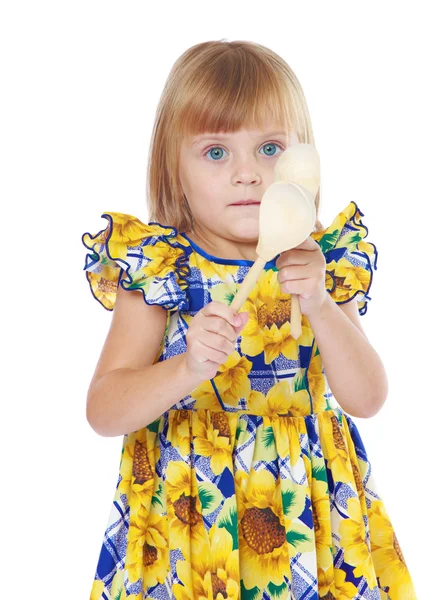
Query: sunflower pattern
256	485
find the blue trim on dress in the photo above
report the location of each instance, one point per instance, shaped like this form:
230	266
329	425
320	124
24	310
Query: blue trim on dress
226	261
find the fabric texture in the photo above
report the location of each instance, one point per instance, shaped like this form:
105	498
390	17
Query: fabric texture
257	484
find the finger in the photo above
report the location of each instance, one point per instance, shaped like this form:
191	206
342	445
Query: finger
300	255
296	286
217	342
220	326
294	272
219	309
205	352
292	257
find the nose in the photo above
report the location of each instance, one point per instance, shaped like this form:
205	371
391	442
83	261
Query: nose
246	173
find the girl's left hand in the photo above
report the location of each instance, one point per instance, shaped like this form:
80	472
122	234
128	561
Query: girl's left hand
302	271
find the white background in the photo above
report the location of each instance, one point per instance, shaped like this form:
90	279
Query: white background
80	84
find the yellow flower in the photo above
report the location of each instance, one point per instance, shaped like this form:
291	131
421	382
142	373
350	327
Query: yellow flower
268	327
232	382
186	527
267	534
279	400
162	257
334	446
321	514
147	550
97	589
213	574
326	583
137	469
125	230
344	590
349	279
212	438
317	383
179	430
287	432
387	555
353	540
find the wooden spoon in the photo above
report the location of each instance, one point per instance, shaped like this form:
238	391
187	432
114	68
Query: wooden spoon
286	218
287	214
299	164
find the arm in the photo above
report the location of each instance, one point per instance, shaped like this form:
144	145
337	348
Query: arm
129	389
127	399
354	370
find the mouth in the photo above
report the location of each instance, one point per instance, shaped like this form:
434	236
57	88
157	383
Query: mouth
246	203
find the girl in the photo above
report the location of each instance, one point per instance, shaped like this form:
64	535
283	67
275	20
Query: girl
241	475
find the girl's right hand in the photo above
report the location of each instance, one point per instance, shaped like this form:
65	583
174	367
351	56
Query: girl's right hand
211	338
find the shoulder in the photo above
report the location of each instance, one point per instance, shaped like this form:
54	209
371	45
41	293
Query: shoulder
149	257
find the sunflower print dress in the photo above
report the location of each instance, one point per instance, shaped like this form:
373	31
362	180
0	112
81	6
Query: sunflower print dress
257	484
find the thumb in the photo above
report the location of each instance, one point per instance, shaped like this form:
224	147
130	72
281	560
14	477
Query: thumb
244	316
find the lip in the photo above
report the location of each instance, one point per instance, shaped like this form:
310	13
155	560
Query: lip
244	202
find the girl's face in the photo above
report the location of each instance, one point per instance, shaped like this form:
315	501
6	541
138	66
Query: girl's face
218	169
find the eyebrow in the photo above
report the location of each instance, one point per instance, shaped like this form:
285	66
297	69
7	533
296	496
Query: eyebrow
224	137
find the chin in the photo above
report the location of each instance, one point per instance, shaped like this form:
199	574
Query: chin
246	229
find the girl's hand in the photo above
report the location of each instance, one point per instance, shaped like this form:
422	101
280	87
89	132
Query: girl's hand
302	271
211	338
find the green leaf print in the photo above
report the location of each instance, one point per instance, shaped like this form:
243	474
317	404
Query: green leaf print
154	426
319	473
328	241
230	523
206	498
352	239
240	428
299	381
294	538
249	594
288	497
118	595
268	437
276	590
136	285
156	498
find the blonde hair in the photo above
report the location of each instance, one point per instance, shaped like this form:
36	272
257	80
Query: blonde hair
218	86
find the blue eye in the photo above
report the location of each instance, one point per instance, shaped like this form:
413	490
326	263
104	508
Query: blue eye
218	150
268	146
215	149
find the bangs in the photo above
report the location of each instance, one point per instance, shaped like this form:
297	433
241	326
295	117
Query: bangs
230	94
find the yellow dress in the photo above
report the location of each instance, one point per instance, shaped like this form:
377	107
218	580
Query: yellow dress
256	485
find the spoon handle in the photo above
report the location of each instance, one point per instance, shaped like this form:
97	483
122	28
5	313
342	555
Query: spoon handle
248	283
295	316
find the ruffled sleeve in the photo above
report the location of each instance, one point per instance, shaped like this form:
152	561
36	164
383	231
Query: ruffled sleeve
350	261
137	256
